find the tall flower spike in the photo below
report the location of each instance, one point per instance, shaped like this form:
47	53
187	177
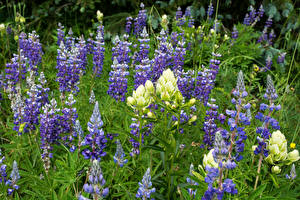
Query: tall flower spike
270	91
98	52
95	140
145	190
119	156
96	182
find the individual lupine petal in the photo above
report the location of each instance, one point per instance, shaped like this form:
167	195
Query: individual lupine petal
145	190
229	186
92	99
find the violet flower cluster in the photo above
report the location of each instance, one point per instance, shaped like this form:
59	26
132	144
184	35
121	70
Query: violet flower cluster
17	106
253	16
162	56
67	123
145	190
209	125
178	56
128	25
95	187
49	131
98	51
186	83
266	119
69	69
140	21
210	11
135	130
238	118
95	141
215	175
143	69
3	173
119	155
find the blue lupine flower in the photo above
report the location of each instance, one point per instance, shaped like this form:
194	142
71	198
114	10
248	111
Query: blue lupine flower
140	21
98	51
95	140
128	25
210	10
293	174
192	192
267	120
145	190
209	126
96	182
119	156
14	177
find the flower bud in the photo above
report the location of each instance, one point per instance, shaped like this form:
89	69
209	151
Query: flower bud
276	169
22	19
209	160
149	86
2	27
150	115
192	102
293	156
99	15
194	118
131	101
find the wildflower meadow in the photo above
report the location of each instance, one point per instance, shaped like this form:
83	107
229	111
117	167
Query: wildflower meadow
153	100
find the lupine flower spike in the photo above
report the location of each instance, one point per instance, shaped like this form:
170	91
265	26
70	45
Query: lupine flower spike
92	99
119	156
292	174
96	183
145	190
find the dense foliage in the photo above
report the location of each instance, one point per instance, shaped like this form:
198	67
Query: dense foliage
188	105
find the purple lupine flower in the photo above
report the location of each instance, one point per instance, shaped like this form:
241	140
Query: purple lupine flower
144	47
252	14
264	36
179	17
14	177
292	174
267	120
188	15
60	34
210	11
135	130
281	57
17	106
95	140
213	174
118	81
186	83
15	71
145	190
49	131
69	69
234	33
142	73
272	36
268	64
43	89
90	44
3	173
192	192
70	40
247	20
67	123
178	56
98	52
237	117
96	182
162	56
209	126
119	155
32	49
206	79
140	21
128	25
82	56
32	108
269	22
